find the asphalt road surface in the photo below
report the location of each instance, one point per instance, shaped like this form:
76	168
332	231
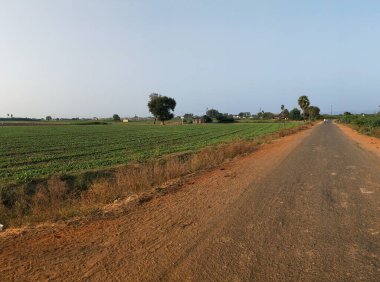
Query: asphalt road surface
304	209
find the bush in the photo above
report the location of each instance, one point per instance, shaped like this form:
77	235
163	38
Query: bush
206	119
295	114
366	124
116	117
376	123
225	118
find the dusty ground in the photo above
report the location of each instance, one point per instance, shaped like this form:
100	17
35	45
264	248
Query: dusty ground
304	208
366	142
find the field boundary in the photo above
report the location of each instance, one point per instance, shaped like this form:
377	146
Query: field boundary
39	152
86	194
369	126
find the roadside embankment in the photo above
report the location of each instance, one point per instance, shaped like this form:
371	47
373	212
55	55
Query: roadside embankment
368	142
58	198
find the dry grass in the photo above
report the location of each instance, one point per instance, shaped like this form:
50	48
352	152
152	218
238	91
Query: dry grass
55	199
366	130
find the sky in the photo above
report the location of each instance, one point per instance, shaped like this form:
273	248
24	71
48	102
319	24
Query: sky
78	58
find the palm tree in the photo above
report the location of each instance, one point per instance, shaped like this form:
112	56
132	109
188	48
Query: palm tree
282	110
303	102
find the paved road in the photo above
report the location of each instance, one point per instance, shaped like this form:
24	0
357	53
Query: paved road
308	213
314	217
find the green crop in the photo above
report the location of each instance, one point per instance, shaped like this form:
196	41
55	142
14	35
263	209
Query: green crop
34	152
367	124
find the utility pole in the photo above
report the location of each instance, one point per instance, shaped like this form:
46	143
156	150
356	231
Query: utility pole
331	109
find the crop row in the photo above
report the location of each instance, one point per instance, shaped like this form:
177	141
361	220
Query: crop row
37	152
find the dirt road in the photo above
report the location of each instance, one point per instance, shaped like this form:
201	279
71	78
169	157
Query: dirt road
305	208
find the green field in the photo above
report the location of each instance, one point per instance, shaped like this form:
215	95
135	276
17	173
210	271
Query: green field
31	152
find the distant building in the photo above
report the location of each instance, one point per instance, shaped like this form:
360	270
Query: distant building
126	120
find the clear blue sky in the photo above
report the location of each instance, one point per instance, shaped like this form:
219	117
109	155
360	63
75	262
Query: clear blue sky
95	58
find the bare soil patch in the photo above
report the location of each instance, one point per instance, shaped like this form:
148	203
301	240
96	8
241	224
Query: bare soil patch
137	238
302	208
367	142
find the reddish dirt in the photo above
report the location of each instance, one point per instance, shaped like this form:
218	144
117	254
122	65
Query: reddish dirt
304	208
156	230
367	142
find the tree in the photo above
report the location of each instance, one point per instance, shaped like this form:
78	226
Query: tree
268	115
244	115
303	102
285	113
295	114
116	117
313	112
206	119
225	118
188	116
347	114
212	113
48	118
161	107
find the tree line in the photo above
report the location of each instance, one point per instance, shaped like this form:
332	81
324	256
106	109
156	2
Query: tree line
162	109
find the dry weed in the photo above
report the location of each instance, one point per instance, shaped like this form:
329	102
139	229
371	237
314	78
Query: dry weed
53	200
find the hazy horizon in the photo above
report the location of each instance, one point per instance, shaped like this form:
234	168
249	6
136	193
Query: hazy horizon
97	58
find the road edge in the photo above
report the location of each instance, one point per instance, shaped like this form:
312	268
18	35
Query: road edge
368	143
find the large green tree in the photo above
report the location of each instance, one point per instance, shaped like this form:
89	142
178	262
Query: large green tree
116	117
188	115
268	115
161	107
295	114
304	103
212	113
313	112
